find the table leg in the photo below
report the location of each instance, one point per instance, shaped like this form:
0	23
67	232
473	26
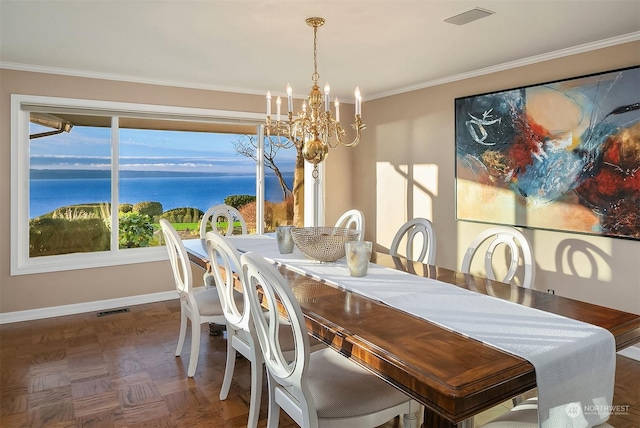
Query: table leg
433	420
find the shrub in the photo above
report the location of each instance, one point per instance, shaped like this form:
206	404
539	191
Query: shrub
52	236
238	201
135	230
125	208
171	215
248	212
283	212
148	208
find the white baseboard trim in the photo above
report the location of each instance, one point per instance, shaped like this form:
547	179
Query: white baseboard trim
78	308
632	352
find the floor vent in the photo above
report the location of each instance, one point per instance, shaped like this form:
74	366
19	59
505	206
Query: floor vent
113	312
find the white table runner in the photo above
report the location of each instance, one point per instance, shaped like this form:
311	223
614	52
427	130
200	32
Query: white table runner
574	361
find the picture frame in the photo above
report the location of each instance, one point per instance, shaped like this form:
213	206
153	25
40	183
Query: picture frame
561	155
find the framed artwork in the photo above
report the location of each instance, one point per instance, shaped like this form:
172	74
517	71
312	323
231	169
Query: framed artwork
562	155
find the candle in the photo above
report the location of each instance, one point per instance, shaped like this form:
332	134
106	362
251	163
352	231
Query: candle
278	103
358	101
326	96
268	103
304	107
337	104
289	98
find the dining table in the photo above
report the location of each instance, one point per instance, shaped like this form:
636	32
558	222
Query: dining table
452	375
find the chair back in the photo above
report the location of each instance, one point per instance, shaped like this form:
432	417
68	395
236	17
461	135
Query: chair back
352	219
515	241
412	228
264	282
178	258
223	254
229	213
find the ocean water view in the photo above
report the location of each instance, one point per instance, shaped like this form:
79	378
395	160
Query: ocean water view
172	192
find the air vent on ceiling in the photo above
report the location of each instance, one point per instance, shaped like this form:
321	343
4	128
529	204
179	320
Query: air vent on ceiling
469	16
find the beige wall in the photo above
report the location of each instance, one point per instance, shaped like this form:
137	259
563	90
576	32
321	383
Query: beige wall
403	168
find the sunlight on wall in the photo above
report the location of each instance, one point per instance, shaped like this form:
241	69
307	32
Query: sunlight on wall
484	202
403	192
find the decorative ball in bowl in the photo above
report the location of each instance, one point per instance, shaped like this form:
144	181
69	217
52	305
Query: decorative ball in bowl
324	244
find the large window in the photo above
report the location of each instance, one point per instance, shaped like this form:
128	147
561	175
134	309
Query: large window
91	180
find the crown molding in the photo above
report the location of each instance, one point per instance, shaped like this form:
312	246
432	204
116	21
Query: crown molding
631	37
601	44
122	78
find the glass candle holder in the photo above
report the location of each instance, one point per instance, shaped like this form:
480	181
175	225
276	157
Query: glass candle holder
358	254
284	238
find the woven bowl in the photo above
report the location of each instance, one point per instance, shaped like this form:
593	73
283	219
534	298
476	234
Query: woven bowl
324	244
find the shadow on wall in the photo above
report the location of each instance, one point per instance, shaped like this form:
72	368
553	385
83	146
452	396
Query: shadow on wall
571	255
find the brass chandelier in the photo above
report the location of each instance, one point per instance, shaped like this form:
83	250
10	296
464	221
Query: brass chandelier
315	128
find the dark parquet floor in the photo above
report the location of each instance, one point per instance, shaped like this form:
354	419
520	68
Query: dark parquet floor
120	371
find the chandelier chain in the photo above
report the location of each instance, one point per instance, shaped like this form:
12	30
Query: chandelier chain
315	76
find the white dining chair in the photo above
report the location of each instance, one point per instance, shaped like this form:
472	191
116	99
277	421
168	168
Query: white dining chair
240	334
230	214
316	389
241	337
524	415
352	219
210	222
517	244
200	307
409	232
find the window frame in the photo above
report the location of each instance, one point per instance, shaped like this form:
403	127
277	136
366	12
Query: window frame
22	105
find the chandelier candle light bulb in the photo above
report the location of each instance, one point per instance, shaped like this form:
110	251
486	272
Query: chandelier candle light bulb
289	98
268	103
326	97
315	129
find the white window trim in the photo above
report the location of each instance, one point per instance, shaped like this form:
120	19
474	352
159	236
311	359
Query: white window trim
21	263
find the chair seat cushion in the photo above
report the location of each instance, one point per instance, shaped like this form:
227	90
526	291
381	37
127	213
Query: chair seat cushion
524	415
341	388
209	301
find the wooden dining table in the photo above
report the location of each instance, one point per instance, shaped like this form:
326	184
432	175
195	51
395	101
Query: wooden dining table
453	376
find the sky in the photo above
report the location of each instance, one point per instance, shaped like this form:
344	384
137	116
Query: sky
146	150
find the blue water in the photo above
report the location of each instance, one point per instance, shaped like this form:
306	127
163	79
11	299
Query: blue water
171	192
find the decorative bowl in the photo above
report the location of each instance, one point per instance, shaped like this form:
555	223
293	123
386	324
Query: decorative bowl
324	244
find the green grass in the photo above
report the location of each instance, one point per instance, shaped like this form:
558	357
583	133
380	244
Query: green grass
184	226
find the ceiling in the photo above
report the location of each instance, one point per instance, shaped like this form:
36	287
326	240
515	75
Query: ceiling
384	47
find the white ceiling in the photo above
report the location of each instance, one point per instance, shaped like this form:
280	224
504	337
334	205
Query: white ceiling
384	47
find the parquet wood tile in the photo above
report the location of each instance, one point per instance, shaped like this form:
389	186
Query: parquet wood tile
120	371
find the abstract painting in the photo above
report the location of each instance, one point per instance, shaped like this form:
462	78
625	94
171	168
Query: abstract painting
562	156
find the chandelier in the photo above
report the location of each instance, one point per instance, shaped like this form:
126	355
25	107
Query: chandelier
315	127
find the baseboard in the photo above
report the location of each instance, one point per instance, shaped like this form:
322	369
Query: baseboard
78	308
632	352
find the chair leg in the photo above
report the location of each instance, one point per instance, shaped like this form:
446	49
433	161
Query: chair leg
273	416
195	348
410	420
229	367
256	391
183	332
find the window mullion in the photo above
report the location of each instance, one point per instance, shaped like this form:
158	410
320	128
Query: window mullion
115	179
